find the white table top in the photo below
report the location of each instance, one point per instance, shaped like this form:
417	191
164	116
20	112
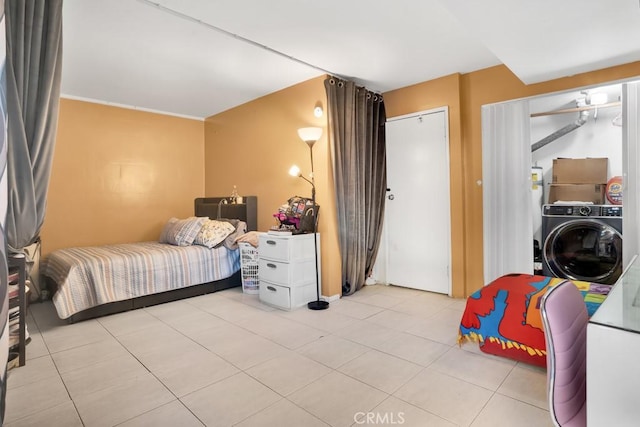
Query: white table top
621	308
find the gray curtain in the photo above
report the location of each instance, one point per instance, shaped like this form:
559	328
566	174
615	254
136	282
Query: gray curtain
4	297
34	61
357	137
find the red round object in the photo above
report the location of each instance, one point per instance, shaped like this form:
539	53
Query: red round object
614	190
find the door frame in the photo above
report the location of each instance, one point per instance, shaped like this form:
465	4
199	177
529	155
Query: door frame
380	268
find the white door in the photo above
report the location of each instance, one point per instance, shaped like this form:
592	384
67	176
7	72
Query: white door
417	216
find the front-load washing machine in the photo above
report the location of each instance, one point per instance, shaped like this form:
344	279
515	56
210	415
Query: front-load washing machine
582	242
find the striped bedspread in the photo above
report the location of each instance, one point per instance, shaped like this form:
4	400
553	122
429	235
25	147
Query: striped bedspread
92	276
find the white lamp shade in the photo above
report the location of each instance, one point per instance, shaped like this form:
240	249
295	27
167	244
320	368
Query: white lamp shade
310	134
294	171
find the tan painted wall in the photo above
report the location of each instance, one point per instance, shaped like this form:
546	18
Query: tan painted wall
119	174
254	145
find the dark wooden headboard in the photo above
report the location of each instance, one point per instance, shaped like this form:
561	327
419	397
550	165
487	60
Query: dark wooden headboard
246	211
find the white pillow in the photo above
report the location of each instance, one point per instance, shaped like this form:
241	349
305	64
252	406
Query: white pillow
182	232
213	233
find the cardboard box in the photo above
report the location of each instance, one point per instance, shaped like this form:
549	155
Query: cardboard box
580	171
594	193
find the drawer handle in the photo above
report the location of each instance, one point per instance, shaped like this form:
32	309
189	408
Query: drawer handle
271	288
271	265
271	242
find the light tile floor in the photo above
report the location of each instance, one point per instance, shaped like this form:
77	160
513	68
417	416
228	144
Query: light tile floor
384	356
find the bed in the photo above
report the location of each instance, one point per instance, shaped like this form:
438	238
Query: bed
504	316
95	281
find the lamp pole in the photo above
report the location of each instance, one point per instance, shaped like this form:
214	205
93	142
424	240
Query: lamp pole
318	304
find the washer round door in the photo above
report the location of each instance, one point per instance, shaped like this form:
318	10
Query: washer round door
587	250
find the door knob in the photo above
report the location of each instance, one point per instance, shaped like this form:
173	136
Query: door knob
391	197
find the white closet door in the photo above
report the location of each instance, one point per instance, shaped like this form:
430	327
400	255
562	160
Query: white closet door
630	171
417	215
507	205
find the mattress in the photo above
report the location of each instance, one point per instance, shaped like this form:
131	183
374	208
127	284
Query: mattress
87	277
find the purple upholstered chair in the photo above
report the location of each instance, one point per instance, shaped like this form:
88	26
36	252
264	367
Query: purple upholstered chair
565	319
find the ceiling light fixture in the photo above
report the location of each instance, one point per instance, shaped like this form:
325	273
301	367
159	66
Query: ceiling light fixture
598	98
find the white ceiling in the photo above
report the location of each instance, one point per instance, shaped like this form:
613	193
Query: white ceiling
196	58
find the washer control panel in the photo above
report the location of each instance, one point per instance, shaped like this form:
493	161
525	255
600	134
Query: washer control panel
582	210
611	211
585	210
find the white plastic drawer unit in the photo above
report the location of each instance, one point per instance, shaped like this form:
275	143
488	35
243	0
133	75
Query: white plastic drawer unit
287	248
278	296
284	273
287	270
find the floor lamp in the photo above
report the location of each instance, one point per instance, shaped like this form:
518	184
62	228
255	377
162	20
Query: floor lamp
310	136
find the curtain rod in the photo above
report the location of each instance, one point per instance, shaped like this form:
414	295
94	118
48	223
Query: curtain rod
236	36
577	109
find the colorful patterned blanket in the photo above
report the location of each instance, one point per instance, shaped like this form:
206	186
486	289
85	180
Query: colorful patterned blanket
504	316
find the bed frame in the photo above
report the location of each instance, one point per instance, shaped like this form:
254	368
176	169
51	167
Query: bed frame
212	207
219	207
